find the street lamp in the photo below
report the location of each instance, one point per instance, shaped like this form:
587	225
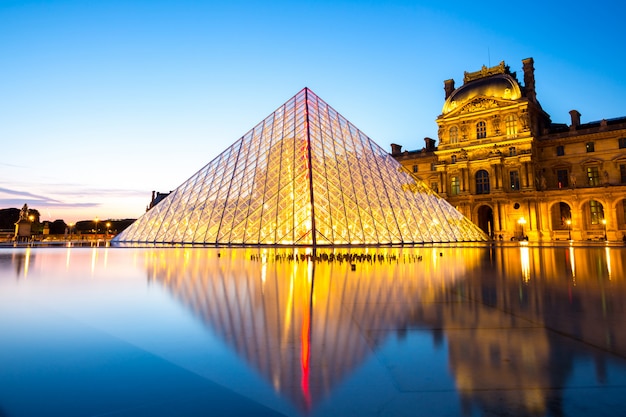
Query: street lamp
604	225
108	227
569	228
96	220
522	222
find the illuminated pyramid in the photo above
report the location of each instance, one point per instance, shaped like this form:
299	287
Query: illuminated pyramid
303	176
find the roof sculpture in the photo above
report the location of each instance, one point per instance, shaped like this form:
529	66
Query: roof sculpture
303	176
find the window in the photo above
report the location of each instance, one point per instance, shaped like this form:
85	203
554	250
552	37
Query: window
622	143
415	169
453	159
514	176
434	186
482	182
454	134
433	166
593	176
481	130
562	178
511	125
622	173
512	151
591	147
596	211
455	186
560	150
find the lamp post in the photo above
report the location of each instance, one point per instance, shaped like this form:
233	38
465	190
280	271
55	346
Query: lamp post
108	227
522	222
569	228
71	226
604	226
96	220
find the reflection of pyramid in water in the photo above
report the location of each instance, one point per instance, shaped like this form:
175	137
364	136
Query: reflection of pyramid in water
303	176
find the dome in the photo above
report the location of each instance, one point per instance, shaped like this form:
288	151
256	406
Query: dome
501	86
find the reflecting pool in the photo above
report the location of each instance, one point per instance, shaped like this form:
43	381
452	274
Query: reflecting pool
433	331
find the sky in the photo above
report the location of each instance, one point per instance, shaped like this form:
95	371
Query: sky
103	102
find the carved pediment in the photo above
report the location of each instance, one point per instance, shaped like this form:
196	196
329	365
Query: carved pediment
479	104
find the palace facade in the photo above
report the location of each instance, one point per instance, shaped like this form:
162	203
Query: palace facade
505	165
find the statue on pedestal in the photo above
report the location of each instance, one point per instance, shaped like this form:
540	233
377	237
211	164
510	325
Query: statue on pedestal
23	226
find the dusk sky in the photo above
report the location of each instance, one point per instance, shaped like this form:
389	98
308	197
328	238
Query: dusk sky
102	102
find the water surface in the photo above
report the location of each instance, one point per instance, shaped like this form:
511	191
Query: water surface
433	331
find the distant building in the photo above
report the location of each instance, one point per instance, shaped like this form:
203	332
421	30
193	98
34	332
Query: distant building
156	198
504	164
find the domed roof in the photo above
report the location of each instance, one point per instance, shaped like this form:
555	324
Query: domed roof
502	86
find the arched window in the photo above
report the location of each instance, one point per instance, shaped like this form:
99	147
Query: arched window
481	130
454	135
596	211
482	182
511	125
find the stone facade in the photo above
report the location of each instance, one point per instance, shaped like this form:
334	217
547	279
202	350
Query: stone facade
502	162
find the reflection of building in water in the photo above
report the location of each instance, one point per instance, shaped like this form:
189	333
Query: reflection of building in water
305	326
556	295
19	260
298	323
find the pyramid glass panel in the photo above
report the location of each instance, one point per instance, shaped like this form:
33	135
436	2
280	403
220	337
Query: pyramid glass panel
303	176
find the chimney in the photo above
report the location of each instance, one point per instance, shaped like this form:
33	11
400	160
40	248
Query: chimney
448	86
430	144
529	79
396	149
575	119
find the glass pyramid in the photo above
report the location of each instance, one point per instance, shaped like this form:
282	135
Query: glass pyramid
303	176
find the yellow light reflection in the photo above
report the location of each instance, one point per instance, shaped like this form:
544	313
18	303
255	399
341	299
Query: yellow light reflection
525	262
572	261
26	261
607	251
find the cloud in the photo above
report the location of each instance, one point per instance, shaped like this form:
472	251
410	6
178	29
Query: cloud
27	195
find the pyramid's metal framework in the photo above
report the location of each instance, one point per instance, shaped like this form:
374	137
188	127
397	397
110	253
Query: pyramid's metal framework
303	176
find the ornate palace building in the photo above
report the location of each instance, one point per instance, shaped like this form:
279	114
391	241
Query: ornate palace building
503	163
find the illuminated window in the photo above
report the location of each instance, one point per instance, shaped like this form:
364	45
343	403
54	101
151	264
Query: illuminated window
622	173
481	130
622	143
482	182
596	211
590	147
454	134
560	150
511	125
514	177
562	178
593	176
455	186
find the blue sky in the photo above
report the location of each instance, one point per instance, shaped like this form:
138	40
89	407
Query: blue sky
102	102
